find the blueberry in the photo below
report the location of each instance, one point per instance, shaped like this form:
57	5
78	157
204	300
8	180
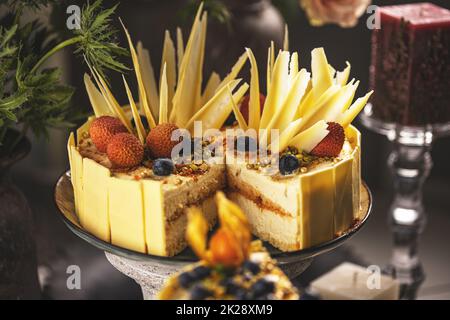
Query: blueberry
230	286
163	167
251	266
288	164
200	293
185	279
201	272
262	287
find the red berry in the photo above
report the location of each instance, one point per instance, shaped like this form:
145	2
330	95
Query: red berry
331	145
125	150
102	129
159	140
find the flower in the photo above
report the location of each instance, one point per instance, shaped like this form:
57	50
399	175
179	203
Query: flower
345	13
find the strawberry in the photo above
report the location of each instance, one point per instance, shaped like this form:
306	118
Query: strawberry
331	145
102	129
124	150
245	102
159	140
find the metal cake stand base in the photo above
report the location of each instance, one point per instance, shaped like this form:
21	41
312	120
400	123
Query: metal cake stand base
151	275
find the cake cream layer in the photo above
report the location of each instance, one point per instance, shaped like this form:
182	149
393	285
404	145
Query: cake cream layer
305	209
145	215
279	230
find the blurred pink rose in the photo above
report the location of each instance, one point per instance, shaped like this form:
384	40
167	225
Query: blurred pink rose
345	13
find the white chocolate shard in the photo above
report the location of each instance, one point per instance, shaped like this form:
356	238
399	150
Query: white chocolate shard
285	114
313	114
254	105
98	102
211	87
239	117
148	78
201	58
309	138
286	136
332	70
180	47
272	55
114	106
163	97
333	108
354	86
189	79
354	109
321	76
293	65
306	103
269	71
278	89
142	92
136	116
168	60
215	112
342	76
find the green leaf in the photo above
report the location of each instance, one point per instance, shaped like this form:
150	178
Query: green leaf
98	39
7	36
13	101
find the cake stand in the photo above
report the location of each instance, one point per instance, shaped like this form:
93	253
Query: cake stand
410	163
151	271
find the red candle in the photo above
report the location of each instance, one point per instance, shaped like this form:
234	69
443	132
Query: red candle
410	69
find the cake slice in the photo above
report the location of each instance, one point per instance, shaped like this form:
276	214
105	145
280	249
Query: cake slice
232	267
301	186
316	203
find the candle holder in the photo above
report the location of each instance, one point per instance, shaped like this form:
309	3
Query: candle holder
410	163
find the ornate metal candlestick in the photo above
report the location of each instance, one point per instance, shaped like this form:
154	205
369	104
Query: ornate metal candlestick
410	162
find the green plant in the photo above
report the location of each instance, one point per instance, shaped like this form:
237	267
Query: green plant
33	97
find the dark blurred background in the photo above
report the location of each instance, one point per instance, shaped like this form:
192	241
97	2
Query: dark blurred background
253	24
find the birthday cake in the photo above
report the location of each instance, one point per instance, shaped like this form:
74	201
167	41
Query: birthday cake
291	160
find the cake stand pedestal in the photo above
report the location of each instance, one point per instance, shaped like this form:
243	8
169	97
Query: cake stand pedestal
151	275
150	271
410	163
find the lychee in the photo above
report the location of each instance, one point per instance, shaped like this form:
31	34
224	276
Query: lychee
102	129
331	145
159	140
124	150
